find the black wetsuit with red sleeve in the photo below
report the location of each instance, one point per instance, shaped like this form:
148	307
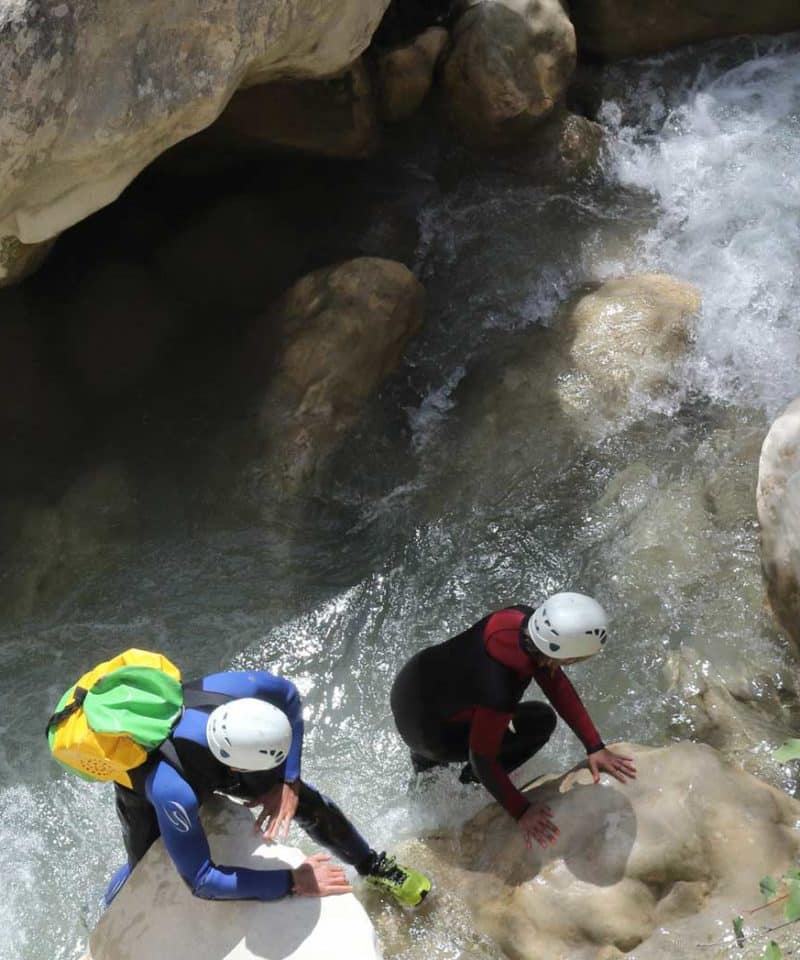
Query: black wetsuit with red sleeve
454	701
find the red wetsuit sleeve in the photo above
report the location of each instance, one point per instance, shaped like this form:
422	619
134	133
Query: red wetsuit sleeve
564	697
485	738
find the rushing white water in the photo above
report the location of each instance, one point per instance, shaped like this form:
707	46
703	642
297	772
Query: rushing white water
720	153
452	515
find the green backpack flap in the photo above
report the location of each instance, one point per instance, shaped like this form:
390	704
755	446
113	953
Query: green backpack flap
138	701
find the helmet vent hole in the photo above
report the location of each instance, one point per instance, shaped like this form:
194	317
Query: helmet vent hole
603	640
224	753
555	646
554	631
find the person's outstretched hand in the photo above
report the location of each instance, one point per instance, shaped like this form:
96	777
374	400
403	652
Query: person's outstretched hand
278	807
614	763
317	877
537	824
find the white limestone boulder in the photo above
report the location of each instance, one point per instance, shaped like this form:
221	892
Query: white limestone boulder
778	502
155	914
92	93
654	869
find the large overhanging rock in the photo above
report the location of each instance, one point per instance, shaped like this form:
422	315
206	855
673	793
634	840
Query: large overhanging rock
630	28
778	501
508	67
93	92
656	866
155	915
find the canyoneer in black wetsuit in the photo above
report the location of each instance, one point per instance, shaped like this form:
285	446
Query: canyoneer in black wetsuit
460	700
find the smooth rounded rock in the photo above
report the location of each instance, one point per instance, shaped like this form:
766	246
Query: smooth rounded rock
155	914
778	502
507	69
330	340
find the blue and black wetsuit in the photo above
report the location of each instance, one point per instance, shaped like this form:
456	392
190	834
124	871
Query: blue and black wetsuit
167	798
460	700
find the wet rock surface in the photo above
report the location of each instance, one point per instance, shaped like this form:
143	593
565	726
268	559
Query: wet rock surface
156	915
654	868
778	498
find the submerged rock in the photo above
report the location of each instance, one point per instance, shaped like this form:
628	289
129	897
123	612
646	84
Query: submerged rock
632	28
626	338
92	93
508	68
746	717
653	869
155	914
609	355
340	331
778	501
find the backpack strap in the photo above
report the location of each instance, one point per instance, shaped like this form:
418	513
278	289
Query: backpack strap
76	703
194	698
197	699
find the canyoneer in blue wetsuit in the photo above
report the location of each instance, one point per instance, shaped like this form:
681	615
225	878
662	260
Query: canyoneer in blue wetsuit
241	734
459	700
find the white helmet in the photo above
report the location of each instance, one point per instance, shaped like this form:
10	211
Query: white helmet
568	625
249	734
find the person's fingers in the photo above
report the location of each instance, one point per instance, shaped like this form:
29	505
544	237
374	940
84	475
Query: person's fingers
319	858
262	820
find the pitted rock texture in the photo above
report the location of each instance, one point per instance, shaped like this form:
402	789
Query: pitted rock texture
92	93
653	869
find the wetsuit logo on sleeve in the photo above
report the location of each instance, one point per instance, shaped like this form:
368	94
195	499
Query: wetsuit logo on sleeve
176	814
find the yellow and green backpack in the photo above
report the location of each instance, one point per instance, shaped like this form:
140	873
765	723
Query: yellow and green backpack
108	723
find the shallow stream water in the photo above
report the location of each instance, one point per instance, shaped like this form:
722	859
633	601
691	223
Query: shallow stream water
438	511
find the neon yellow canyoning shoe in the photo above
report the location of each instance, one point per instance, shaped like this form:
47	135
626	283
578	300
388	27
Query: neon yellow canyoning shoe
408	887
